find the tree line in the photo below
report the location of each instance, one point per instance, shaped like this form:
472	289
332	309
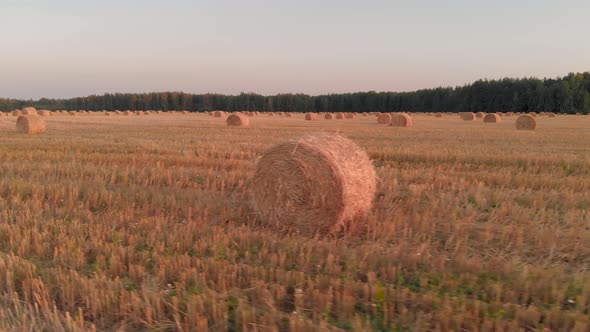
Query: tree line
568	94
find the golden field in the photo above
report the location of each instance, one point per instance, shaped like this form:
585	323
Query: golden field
146	223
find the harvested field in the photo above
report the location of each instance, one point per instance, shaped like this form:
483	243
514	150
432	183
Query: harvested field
147	223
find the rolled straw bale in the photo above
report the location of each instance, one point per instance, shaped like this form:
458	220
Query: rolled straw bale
29	111
533	114
438	115
238	120
17	113
73	113
468	116
492	118
30	124
526	122
219	114
315	184
329	116
365	114
401	120
551	115
339	116
251	114
349	116
44	113
289	114
479	115
311	116
384	118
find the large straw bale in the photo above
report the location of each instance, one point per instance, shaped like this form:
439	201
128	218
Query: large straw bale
526	122
492	118
401	120
238	120
30	124
315	184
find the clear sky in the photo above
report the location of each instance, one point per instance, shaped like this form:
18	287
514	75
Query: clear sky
67	48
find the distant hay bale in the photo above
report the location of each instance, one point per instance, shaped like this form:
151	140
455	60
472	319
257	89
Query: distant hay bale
311	116
17	113
479	115
339	116
30	124
329	116
44	113
73	113
533	114
365	114
401	120
238	120
492	118
384	118
438	115
468	116
219	114
551	115
107	113
526	122
349	116
289	114
315	184
29	111
251	114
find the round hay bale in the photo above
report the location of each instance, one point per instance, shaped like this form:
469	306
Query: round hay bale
311	116
349	116
219	114
315	184
44	113
401	120
438	115
468	116
107	113
251	114
329	116
30	124
365	114
492	118
29	111
288	114
533	114
551	115
526	122
479	115
238	120
17	113
384	118
339	116
73	113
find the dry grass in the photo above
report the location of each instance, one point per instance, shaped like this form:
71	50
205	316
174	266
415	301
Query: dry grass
145	223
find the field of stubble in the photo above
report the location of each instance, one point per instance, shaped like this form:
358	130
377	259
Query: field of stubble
145	223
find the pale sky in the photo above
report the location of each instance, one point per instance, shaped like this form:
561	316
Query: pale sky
69	48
